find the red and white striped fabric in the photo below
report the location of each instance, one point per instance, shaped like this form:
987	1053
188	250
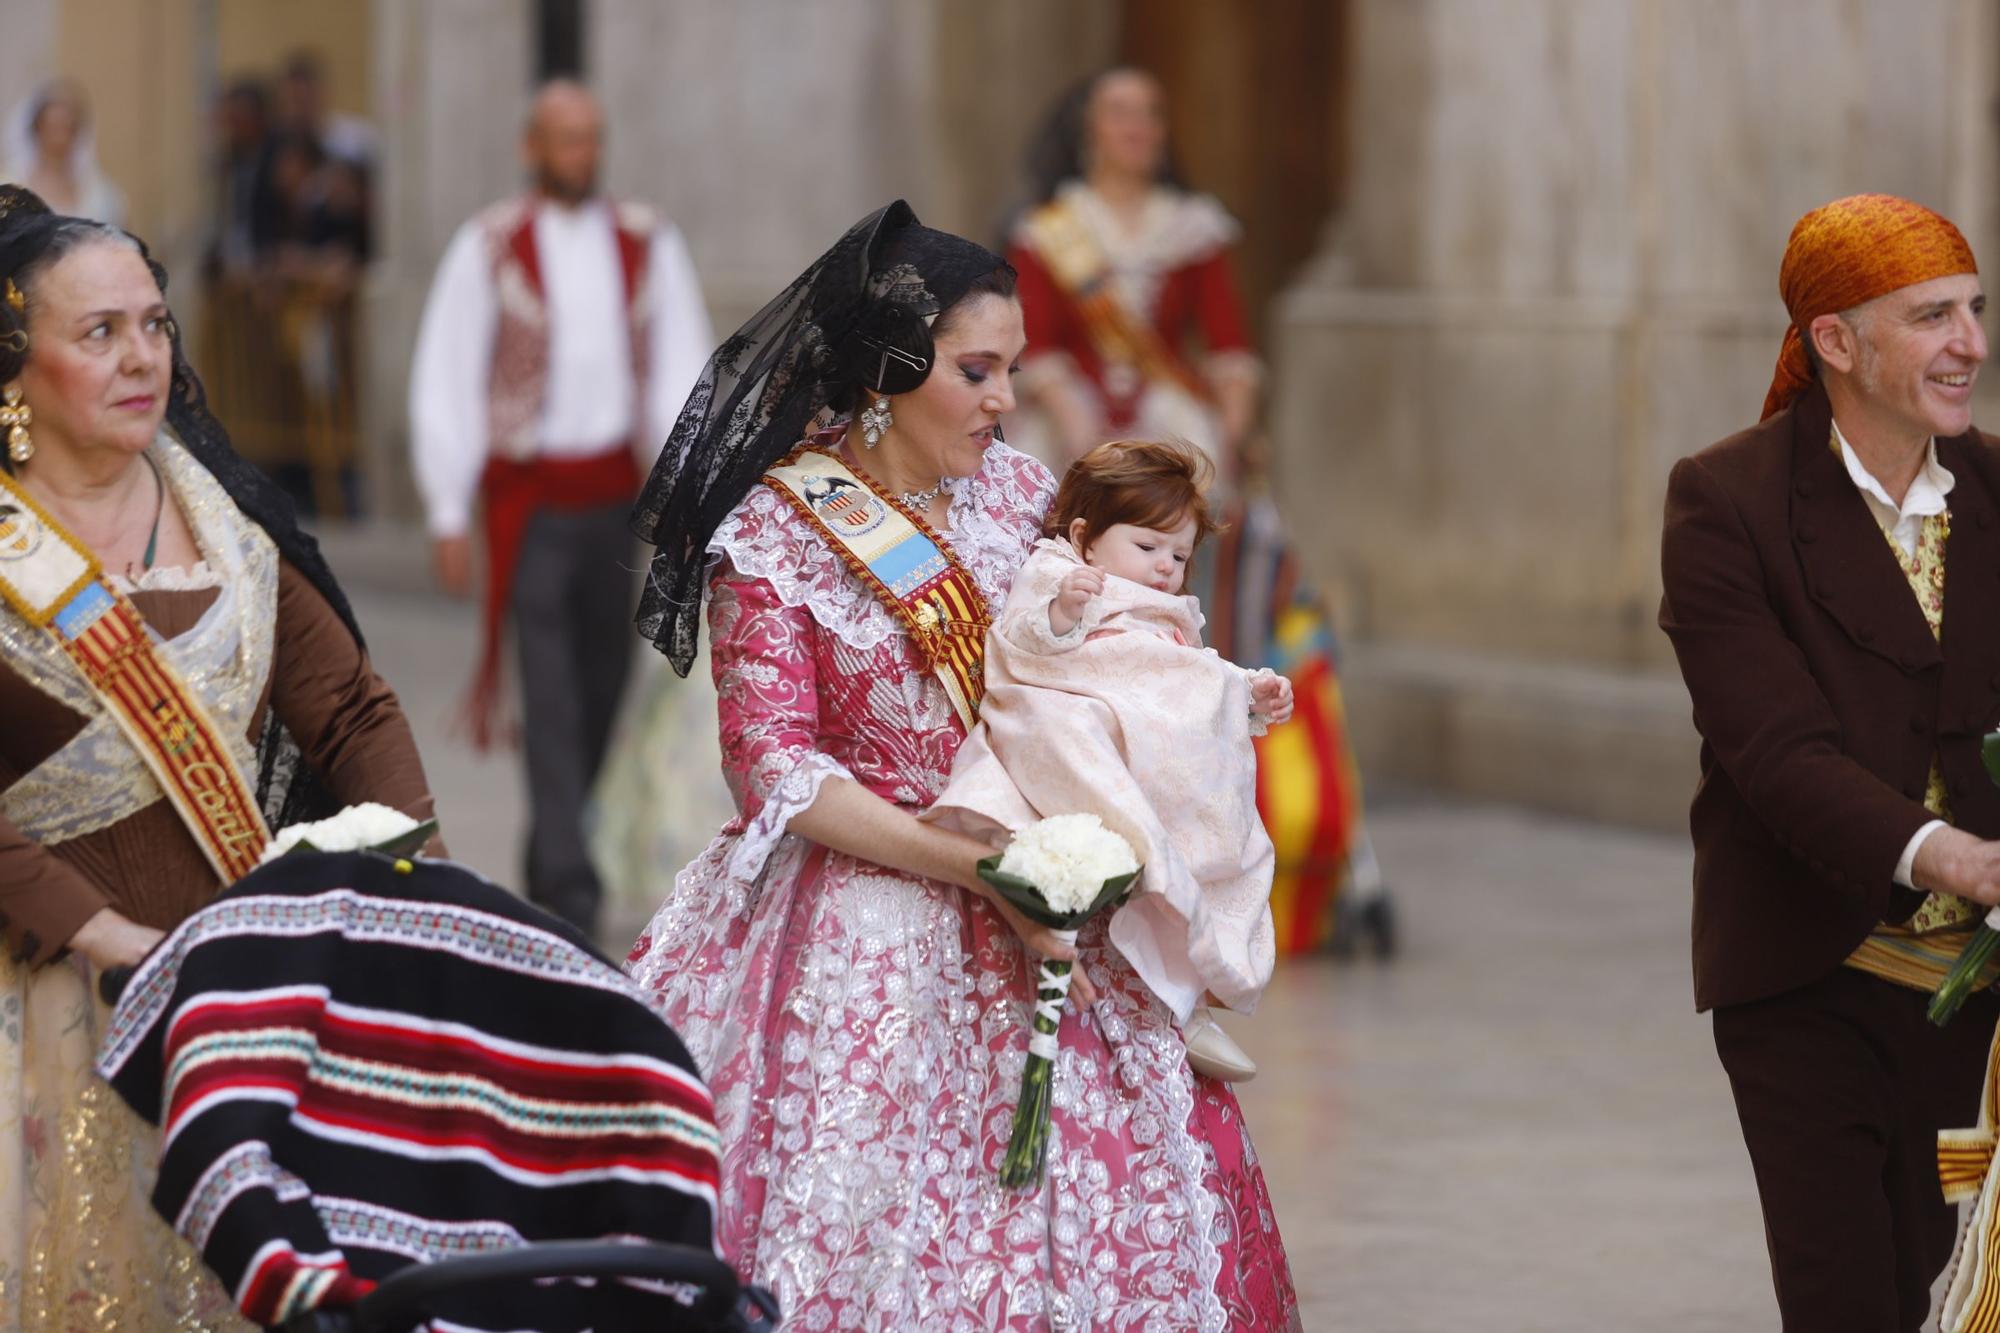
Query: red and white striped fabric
357	1068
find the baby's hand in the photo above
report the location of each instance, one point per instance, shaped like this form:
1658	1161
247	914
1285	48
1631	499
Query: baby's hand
1073	594
1271	696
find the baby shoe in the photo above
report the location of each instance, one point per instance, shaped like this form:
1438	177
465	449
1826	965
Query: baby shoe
1211	1051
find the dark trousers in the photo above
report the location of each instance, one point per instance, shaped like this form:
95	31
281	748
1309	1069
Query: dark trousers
1841	1087
572	608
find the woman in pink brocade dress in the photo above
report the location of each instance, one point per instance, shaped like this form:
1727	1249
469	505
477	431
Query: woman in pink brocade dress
857	1001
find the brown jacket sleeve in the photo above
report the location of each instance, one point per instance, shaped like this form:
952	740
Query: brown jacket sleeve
345	718
1757	704
43	901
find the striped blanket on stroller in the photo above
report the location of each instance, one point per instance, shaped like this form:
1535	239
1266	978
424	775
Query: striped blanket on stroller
357	1066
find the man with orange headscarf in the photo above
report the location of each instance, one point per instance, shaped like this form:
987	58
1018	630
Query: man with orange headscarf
1842	823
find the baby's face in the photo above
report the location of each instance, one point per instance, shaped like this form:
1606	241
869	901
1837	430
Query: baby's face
1157	558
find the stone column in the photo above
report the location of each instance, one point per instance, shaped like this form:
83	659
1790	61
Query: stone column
28	53
1555	275
765	127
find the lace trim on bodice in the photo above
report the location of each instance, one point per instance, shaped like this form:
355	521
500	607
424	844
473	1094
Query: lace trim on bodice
1171	230
765	538
169	578
98	777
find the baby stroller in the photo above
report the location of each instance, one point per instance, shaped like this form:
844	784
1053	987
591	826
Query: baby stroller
393	1097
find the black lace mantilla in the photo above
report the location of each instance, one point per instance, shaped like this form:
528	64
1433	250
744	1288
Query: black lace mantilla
764	386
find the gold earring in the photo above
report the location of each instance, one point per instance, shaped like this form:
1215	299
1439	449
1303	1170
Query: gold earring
16	416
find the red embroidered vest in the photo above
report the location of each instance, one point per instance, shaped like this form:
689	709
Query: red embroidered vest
520	377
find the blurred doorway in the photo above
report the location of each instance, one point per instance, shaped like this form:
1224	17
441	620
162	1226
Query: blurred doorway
1257	94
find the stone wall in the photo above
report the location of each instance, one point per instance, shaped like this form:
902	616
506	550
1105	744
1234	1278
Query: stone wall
1555	275
762	127
765	127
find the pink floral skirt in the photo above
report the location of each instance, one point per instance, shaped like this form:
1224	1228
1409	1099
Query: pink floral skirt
863	1032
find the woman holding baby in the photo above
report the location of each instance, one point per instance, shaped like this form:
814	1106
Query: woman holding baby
856	997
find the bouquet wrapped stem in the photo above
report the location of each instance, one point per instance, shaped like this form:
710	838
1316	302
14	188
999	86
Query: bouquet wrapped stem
1058	873
1029	1143
1963	978
1972	961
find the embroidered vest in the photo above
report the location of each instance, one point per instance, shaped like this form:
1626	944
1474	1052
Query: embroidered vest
1919	952
520	378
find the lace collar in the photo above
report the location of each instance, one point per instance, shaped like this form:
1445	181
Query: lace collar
996	515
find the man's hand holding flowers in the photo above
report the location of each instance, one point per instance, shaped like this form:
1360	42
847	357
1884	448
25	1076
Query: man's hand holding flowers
1954	861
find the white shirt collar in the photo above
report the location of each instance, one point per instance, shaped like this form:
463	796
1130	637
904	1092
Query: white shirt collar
1926	495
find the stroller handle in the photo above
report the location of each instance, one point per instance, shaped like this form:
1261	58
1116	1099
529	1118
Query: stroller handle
111	983
405	1291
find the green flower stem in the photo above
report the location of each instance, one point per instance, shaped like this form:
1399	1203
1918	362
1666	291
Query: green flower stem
1963	978
1028	1146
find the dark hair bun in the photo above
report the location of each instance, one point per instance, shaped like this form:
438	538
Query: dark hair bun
889	350
21	210
17	203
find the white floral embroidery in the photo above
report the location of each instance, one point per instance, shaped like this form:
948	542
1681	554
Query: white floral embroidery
864	1030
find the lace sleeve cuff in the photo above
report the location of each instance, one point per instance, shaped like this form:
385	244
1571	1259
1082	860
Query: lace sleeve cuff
1259	724
1030	632
793	793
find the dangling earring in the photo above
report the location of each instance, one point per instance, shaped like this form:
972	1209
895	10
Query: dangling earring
876	421
16	416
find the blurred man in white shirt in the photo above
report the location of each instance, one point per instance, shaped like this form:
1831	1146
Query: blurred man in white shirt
562	333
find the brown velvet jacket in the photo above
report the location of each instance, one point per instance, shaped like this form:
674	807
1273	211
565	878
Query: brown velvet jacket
1820	693
346	720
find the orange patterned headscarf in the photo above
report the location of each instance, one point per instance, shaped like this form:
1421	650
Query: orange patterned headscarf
1850	251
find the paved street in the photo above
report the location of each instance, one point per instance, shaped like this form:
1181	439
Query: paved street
1518	1125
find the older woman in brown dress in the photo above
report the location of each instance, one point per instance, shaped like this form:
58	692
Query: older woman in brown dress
112	457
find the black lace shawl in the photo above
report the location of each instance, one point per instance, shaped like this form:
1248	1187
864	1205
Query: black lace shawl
769	380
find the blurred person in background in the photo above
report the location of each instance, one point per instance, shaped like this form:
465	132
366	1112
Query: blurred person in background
313	241
562	333
242	126
293	234
251	375
1136	327
50	149
1122	271
129	798
302	109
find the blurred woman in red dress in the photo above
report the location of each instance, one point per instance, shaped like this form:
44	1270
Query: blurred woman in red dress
1136	328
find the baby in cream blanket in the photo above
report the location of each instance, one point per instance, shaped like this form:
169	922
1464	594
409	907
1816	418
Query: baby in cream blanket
1100	699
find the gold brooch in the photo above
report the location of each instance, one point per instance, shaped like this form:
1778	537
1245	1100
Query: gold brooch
15	299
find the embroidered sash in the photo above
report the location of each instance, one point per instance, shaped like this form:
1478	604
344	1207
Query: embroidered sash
1063	243
1967	1169
51	581
908	567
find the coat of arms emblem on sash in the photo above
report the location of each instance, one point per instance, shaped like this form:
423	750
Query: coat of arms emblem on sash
20	533
844	506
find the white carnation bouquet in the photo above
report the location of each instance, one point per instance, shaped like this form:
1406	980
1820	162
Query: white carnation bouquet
367	827
1059	873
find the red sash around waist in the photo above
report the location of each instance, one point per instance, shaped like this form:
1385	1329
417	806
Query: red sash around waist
515	491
